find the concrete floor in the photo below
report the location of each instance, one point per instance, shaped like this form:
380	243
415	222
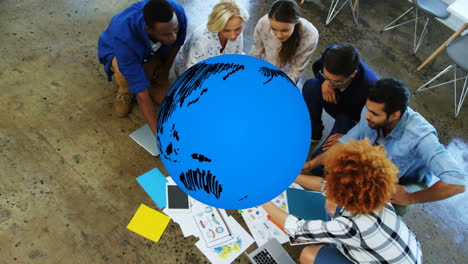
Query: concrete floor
68	167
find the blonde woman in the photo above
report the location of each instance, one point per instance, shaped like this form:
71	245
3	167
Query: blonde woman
221	35
285	39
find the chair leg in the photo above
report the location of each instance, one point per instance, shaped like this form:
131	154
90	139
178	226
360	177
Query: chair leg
417	42
462	94
457	103
391	24
332	11
355	10
426	87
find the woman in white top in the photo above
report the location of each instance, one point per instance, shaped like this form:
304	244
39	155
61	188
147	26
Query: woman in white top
221	35
285	39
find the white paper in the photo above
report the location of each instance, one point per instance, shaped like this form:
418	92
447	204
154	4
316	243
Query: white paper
170	180
211	224
187	221
260	227
296	186
227	253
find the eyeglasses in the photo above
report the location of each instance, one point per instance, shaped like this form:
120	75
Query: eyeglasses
337	84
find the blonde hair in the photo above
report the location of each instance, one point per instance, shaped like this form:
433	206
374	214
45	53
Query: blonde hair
222	12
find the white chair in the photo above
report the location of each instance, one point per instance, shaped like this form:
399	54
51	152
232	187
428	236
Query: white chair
430	9
457	50
332	12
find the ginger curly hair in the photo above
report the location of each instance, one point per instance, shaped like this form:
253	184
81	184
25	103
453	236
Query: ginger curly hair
359	176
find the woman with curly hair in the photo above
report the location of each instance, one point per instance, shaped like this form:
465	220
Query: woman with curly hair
360	179
285	39
222	34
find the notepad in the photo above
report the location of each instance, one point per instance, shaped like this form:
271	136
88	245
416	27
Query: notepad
154	184
148	223
308	205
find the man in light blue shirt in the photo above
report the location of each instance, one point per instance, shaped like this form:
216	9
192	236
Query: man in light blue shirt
410	141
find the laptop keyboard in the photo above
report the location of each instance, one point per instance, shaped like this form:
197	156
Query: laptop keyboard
264	257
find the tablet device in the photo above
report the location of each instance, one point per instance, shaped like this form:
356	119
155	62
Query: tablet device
177	200
145	138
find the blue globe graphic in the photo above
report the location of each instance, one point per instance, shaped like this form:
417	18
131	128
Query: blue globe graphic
233	131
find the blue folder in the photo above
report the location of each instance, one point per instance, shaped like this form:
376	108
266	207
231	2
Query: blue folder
308	205
154	184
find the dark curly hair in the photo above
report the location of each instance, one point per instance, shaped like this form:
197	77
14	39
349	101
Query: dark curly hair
359	176
157	11
392	93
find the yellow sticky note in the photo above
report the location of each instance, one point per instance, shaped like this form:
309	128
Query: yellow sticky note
148	223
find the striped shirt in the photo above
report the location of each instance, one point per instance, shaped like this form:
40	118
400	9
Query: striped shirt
378	237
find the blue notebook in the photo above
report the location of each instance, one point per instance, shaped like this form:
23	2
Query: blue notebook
154	184
308	205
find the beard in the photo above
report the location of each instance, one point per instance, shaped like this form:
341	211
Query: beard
378	126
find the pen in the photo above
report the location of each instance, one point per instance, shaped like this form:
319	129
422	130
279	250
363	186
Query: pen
222	219
281	228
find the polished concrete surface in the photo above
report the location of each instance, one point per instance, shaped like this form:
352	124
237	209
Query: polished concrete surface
68	167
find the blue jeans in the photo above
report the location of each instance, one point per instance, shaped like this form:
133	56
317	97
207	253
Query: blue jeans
331	255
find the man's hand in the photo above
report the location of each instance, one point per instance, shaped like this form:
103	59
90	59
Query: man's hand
401	196
147	108
438	191
328	92
331	140
330	207
309	182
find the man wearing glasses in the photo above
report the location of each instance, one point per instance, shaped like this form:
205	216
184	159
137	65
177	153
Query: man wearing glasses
340	87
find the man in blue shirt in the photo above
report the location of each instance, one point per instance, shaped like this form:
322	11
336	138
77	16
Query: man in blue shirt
410	141
139	47
340	87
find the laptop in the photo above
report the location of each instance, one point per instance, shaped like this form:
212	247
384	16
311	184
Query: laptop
145	138
272	252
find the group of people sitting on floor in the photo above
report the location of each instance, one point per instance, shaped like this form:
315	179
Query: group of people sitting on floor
377	161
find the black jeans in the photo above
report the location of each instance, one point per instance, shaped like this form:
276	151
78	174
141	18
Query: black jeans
312	93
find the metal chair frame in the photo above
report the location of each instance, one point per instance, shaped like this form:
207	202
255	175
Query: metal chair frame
417	41
332	12
464	90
